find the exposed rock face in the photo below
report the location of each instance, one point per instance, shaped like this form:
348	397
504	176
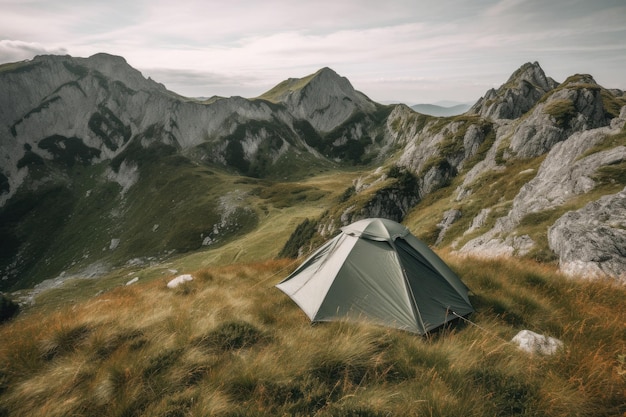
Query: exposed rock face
518	95
566	172
436	156
326	100
449	217
575	106
390	202
112	105
591	241
478	221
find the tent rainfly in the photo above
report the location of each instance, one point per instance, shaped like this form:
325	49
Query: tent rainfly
376	270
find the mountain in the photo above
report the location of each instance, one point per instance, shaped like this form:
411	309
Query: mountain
98	161
324	99
518	95
101	167
440	111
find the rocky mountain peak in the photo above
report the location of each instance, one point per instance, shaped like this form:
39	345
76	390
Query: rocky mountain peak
533	74
117	68
111	67
323	77
325	99
519	94
576	105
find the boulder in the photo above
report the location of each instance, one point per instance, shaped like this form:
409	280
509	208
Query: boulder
532	342
591	241
181	279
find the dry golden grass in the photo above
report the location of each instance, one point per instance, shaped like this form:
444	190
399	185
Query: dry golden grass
229	344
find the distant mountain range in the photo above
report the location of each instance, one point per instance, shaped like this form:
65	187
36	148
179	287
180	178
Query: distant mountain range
441	111
101	167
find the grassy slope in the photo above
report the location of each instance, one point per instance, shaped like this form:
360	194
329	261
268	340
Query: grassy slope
172	207
280	91
229	344
279	208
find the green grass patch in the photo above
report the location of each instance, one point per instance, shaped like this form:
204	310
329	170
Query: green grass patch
275	94
612	175
536	226
19	67
612	104
562	110
282	195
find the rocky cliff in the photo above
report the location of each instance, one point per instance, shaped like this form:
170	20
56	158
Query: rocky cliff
101	105
521	158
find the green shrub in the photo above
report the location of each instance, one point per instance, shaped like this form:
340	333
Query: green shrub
348	192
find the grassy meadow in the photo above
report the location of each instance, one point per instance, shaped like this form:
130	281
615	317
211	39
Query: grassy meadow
230	344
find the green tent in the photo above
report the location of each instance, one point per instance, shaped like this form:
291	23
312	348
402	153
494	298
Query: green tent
376	270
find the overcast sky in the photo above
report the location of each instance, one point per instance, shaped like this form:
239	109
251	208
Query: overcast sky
418	51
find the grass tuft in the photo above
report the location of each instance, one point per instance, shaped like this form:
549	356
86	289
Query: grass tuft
232	335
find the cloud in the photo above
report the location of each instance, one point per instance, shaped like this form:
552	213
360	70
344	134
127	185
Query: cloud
244	47
12	51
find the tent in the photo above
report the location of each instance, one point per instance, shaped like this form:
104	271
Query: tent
376	270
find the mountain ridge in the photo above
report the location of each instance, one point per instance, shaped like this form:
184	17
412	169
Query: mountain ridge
128	138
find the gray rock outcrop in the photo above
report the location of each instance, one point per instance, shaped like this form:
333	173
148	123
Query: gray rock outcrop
591	242
449	218
575	106
567	172
518	95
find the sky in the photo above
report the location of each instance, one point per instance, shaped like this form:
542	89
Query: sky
410	51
